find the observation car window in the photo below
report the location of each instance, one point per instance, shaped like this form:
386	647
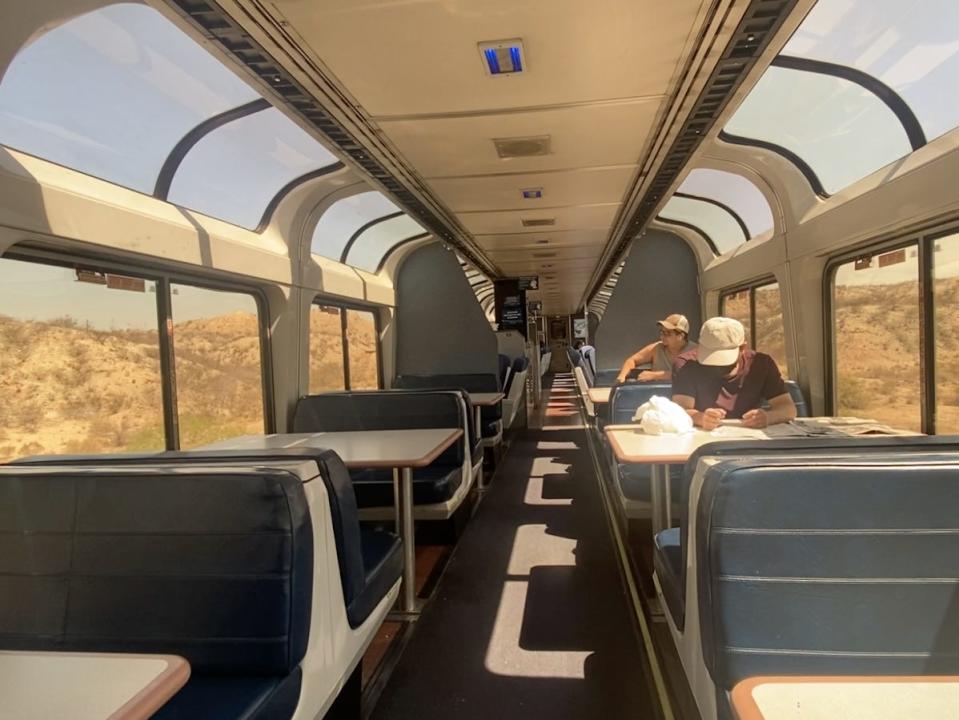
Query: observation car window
219	372
81	361
910	47
759	308
344	218
736	305
373	243
363	350
718	224
111	92
233	172
768	328
735	192
327	360
841	130
945	268
876	341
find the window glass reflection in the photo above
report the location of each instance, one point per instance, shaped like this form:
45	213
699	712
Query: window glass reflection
110	93
81	362
326	349
876	311
219	376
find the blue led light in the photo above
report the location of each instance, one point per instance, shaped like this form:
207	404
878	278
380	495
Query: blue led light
492	61
531	194
515	58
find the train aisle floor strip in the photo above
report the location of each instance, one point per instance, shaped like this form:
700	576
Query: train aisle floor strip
530	618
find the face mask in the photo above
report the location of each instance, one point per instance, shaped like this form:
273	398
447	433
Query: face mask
722	371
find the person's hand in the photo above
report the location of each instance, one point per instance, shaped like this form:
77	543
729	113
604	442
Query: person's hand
646	376
712	418
620	379
755	419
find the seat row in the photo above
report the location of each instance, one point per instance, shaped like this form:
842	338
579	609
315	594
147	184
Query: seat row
253	566
632	481
808	556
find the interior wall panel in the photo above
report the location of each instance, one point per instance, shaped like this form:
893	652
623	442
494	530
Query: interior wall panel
659	278
440	328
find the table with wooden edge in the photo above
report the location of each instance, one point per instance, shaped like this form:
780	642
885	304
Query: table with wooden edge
884	697
480	400
87	686
400	450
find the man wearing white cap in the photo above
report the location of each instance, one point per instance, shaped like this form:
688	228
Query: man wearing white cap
673	340
723	378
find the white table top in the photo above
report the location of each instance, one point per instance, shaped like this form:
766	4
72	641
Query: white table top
631	445
486	399
850	698
357	449
87	686
599	394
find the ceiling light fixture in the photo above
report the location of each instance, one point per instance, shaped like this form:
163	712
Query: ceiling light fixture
503	57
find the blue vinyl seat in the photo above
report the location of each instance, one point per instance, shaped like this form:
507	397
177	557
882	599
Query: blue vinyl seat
490	417
392	410
216	567
666	559
829	565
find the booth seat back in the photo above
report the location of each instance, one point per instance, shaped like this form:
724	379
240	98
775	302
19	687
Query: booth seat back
625	399
589	357
384	410
606	377
829	566
812	448
344	515
795	392
470	382
214	566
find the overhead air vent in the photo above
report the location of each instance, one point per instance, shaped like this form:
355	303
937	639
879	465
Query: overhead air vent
503	57
538	222
542	242
522	146
544	254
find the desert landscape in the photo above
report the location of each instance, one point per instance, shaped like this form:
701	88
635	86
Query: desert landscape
73	389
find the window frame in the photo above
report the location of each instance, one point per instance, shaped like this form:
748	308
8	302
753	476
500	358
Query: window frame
924	239
164	277
750	287
344	305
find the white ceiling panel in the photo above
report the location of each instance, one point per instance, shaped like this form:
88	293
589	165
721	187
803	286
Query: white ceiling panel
427	50
498	192
566	218
587	136
554	239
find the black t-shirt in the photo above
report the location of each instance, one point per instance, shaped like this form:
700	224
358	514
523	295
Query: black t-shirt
757	378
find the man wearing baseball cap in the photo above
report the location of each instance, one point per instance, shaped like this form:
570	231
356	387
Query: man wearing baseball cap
723	378
673	340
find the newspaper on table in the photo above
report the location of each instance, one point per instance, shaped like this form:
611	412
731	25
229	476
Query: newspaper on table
807	427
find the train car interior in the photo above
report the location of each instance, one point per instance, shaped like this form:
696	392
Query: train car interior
352	355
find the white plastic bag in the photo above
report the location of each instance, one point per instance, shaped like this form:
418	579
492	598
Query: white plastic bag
661	416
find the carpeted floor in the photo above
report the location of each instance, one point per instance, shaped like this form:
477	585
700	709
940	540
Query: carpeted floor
530	619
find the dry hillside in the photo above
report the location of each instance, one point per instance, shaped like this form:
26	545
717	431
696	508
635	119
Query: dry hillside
68	388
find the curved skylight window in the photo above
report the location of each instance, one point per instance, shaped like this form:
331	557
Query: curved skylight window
344	218
734	192
912	48
717	224
841	130
377	240
233	172
110	93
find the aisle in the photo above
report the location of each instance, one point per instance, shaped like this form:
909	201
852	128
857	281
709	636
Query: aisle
530	619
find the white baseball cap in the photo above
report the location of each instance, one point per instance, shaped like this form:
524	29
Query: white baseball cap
675	322
719	341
